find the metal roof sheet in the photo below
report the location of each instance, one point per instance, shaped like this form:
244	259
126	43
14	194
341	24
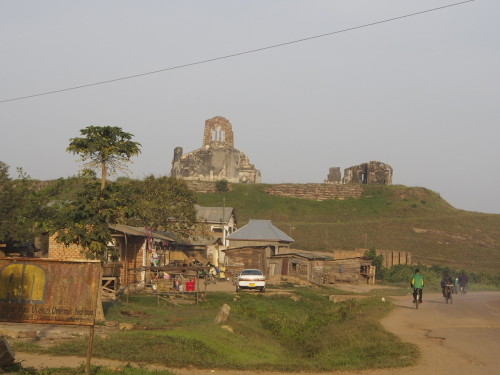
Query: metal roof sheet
214	214
138	231
262	230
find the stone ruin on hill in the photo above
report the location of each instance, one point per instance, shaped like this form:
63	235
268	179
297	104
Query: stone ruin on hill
373	172
217	159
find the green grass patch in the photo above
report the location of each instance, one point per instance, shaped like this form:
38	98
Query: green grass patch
264	332
398	217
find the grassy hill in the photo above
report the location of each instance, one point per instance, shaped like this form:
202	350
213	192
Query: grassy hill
386	217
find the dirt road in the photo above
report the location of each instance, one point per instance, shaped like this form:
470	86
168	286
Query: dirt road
462	338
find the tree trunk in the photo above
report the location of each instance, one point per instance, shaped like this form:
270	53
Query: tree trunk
104	172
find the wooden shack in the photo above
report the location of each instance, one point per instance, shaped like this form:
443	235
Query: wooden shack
237	259
301	264
349	270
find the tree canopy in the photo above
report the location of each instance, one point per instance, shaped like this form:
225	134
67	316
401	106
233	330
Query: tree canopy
24	207
85	220
104	147
164	203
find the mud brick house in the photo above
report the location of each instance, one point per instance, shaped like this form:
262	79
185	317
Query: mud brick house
134	246
219	222
322	267
316	267
260	233
239	258
253	245
301	264
348	270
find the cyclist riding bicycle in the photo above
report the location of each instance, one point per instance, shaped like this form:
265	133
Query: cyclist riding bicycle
447	280
463	280
417	283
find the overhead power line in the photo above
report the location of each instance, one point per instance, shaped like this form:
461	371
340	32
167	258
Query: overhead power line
237	53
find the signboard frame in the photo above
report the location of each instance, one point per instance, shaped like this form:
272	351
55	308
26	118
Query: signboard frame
51	291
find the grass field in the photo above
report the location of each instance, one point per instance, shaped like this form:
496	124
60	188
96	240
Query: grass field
386	217
269	332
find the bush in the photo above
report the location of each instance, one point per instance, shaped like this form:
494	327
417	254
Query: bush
401	274
222	186
377	261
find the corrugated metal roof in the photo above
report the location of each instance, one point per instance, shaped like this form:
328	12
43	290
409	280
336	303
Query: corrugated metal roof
137	231
305	254
179	240
262	230
213	214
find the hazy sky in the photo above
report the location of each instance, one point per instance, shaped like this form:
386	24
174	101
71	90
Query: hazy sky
421	93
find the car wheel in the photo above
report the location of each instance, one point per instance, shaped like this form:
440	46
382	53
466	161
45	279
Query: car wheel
237	290
263	289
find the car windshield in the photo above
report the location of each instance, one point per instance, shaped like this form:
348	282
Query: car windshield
251	272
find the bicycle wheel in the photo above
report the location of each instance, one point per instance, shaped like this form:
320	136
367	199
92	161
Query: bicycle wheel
416	303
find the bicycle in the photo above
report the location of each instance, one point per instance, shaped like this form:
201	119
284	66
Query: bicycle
210	279
417	294
448	293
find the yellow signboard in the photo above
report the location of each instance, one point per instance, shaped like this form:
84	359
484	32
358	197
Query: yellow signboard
40	290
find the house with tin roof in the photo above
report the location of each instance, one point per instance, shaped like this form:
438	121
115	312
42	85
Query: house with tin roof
260	233
253	245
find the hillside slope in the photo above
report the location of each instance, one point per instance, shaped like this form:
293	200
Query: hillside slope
386	217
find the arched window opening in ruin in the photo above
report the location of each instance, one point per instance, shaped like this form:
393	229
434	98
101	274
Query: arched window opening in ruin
218	134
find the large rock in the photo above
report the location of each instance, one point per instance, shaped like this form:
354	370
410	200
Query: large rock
223	314
6	354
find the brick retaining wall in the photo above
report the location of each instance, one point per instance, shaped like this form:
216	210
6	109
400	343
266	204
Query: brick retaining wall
318	192
204	187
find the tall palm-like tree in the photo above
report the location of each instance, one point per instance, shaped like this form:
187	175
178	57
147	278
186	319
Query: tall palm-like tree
106	147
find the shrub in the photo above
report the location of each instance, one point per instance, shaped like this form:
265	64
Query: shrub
222	186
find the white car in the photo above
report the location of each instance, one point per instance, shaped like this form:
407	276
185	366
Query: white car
251	279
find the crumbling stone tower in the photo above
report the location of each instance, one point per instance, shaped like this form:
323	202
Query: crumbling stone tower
218	129
373	172
217	159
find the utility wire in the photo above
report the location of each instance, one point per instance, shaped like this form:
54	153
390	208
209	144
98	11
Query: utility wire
237	53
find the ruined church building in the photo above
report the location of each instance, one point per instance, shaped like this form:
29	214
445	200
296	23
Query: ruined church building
217	159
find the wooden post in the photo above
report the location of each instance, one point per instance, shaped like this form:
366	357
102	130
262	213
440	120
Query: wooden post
89	350
91	331
198	287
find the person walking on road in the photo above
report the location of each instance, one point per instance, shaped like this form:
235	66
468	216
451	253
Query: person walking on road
417	283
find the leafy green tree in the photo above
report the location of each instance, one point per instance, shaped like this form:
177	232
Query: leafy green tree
104	147
18	201
7	204
85	220
377	261
165	203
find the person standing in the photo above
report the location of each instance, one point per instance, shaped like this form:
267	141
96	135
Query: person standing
417	283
